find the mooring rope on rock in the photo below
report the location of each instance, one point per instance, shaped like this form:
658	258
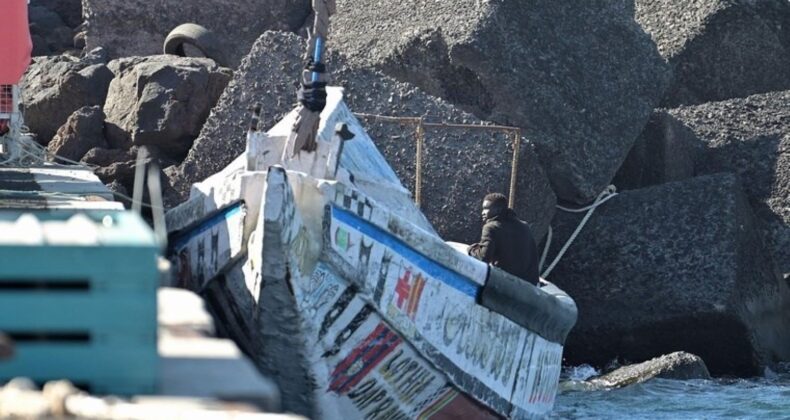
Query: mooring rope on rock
607	194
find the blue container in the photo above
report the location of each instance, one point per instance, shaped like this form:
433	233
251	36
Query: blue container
80	308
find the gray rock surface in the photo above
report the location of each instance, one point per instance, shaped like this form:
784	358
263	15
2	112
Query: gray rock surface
580	77
678	365
161	100
676	266
99	156
666	151
460	166
121	172
720	49
54	87
43	24
138	28
69	11
120	193
751	137
52	26
83	131
116	168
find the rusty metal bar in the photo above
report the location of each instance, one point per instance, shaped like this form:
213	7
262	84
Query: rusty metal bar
504	128
387	118
415	120
420	126
420	134
514	168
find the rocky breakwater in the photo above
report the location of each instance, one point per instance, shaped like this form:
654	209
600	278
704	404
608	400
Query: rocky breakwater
680	266
161	101
54	25
747	136
138	28
100	113
56	86
581	78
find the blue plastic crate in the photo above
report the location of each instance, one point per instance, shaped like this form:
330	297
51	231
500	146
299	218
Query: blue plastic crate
83	311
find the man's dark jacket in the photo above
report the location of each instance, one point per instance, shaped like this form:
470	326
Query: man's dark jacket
507	243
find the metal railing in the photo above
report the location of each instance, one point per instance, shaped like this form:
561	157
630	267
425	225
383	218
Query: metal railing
6	100
419	133
9	107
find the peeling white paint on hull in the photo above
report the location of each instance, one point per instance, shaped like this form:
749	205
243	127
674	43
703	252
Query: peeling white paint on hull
323	270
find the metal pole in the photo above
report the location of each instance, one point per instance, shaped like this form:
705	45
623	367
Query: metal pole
420	133
514	168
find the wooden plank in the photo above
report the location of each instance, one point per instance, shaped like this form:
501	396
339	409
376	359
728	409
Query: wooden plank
82	309
82	363
55	311
82	227
104	267
54	188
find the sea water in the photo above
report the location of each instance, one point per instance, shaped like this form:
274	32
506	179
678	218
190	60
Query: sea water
766	397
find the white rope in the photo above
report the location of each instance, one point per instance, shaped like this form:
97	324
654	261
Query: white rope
23	151
543	256
603	197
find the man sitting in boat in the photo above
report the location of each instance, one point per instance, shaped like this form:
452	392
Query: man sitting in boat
506	241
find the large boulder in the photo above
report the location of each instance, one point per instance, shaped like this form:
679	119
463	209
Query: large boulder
49	33
581	78
720	49
102	156
678	365
83	131
52	25
138	28
118	167
70	11
161	100
54	87
678	266
749	136
460	165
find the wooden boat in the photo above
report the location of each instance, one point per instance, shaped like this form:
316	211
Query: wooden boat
322	269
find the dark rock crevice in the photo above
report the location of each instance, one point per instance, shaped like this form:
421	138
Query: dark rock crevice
425	61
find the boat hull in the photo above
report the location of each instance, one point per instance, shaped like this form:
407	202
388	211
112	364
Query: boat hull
356	309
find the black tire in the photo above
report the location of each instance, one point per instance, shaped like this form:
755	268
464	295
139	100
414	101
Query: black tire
199	37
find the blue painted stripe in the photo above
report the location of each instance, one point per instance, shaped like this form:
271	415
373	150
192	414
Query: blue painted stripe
428	266
207	224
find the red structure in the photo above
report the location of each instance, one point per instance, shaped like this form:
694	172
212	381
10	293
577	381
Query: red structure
15	43
15	49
